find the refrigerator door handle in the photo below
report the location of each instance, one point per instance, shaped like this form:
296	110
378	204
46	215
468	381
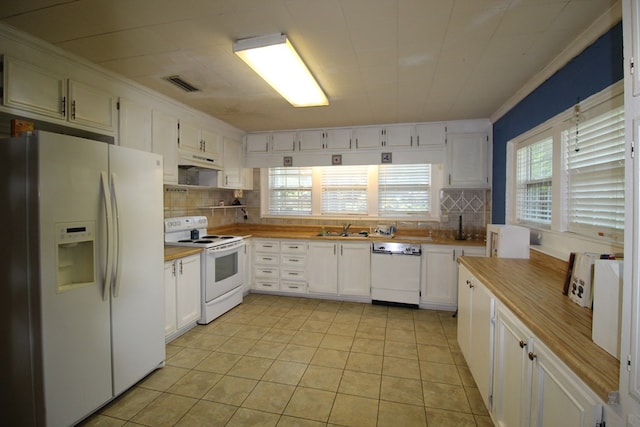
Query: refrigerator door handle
106	195
116	234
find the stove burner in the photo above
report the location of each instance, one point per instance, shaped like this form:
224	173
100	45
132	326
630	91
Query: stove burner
203	241
226	237
185	241
210	237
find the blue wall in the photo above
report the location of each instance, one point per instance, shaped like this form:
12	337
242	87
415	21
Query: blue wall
597	67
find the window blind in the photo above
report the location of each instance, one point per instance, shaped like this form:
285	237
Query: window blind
404	189
344	189
533	180
595	175
290	191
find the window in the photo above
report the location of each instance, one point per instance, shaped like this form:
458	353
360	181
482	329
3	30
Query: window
404	189
567	175
344	189
533	188
595	175
385	191
290	191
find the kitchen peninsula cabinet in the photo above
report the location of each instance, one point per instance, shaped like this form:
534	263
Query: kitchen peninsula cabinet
43	92
165	142
182	294
475	329
531	383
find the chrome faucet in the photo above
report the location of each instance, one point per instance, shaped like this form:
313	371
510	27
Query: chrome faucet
345	229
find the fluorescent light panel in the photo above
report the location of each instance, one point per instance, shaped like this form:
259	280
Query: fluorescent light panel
277	62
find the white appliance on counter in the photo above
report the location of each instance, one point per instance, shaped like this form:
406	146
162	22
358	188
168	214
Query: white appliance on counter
507	241
82	301
222	263
395	273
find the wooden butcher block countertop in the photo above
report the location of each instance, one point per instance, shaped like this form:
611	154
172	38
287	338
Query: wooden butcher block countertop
306	232
175	252
532	290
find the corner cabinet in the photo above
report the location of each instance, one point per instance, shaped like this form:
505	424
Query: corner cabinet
43	92
182	295
467	163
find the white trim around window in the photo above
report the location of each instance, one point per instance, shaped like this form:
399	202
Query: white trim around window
601	111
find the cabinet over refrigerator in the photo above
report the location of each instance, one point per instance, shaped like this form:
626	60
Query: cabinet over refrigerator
81	300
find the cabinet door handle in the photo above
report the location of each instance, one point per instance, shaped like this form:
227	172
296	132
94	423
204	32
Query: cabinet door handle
334	248
291	273
294	260
73	109
181	268
411	141
341	250
64	105
532	356
268	285
356	143
173	270
522	344
449	179
418	140
267	259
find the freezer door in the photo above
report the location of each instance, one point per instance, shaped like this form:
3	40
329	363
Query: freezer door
137	293
76	349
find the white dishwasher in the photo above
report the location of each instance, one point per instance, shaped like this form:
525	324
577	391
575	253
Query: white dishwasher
395	273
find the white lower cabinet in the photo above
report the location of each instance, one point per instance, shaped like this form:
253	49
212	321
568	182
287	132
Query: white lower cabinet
182	294
438	284
439	281
531	386
354	269
322	268
475	329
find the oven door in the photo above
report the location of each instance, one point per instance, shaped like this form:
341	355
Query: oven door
223	271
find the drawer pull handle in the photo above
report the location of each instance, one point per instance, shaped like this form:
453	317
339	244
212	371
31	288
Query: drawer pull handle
293	247
267	259
293	274
294	260
532	356
268	285
522	344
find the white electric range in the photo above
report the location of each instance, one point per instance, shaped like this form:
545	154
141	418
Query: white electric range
222	263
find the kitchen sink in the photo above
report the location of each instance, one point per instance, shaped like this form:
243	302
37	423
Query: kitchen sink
336	234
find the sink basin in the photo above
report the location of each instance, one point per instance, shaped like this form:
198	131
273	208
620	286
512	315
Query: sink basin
336	234
419	238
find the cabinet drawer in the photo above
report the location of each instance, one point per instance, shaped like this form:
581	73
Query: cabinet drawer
297	287
266	259
293	260
266	273
292	274
266	285
269	246
293	248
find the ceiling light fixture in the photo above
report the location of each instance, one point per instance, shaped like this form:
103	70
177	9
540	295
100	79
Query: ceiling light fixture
277	62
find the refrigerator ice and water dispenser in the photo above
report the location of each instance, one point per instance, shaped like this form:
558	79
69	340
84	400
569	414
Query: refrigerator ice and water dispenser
75	255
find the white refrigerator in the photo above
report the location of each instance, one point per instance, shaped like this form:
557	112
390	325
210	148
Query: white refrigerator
82	297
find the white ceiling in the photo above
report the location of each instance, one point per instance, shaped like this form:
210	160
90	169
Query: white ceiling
379	61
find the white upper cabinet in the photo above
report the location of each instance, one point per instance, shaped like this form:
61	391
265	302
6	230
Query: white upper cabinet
311	140
165	142
257	142
430	135
234	175
43	92
134	125
467	160
398	136
283	142
199	145
367	137
338	139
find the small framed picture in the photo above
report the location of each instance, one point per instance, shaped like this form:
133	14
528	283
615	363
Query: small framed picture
287	161
386	158
336	159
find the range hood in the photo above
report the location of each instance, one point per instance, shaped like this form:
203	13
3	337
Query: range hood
198	160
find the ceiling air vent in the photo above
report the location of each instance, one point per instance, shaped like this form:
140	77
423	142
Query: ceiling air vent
177	80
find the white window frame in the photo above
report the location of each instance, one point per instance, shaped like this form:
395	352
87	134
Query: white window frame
554	127
372	200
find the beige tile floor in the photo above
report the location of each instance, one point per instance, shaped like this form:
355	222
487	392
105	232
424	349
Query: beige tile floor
282	361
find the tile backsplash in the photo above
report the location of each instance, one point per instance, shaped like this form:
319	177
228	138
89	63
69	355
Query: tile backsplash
472	204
